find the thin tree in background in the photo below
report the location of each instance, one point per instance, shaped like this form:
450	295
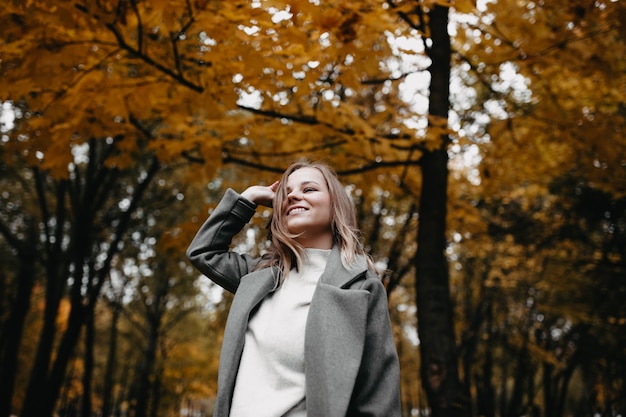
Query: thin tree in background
439	360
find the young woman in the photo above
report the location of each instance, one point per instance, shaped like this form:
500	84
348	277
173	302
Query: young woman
308	332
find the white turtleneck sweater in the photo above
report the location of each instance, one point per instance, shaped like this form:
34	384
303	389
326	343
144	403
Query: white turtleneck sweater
270	381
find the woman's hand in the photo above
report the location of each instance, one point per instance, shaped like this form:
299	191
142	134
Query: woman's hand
260	194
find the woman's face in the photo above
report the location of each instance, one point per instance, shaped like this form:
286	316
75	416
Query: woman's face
307	209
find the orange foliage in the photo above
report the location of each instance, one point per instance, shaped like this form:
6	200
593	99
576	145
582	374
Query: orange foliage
179	70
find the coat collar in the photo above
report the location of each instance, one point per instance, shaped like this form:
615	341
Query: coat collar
339	275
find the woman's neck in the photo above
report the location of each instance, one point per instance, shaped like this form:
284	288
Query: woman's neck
316	242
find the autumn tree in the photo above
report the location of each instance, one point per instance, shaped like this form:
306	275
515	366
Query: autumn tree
547	92
108	96
94	145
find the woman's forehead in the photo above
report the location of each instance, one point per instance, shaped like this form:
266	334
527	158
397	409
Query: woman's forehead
305	175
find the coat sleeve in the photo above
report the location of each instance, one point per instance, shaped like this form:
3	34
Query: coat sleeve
377	388
209	250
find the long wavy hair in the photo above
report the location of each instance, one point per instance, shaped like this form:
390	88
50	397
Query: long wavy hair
285	252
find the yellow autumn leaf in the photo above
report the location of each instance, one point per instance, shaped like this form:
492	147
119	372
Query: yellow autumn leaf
464	6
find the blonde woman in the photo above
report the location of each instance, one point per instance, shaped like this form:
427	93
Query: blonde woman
308	331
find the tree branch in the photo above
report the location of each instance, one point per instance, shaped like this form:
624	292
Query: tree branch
139	26
137	52
370	166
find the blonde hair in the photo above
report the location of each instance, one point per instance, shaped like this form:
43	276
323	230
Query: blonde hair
285	252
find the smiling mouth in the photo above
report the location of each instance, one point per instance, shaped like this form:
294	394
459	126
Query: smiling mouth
296	210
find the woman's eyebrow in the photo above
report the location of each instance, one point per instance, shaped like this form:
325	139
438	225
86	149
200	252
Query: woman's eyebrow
303	183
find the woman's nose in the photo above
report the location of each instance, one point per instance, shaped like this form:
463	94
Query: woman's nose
294	195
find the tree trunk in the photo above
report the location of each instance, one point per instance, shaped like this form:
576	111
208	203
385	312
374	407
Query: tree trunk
14	328
548	396
439	369
81	253
46	381
523	372
89	366
486	405
107	395
504	378
155	316
157	387
55	281
145	371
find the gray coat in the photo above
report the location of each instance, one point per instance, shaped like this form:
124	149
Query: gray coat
351	362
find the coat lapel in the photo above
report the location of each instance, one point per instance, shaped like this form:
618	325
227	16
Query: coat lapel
252	289
335	335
